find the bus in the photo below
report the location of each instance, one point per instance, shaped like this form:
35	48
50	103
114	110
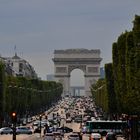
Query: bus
104	126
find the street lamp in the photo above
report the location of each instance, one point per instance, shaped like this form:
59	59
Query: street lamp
14	121
40	118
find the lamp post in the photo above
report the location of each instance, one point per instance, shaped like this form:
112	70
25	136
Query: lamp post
40	118
134	127
14	121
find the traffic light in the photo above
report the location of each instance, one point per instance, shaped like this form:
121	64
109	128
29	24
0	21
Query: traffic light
14	117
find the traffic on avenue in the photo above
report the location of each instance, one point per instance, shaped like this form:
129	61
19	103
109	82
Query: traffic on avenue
72	118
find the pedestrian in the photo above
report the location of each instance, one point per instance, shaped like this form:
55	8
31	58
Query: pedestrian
46	129
59	123
80	135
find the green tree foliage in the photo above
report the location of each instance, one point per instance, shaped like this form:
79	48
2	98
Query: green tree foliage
119	69
99	94
2	91
27	96
112	103
123	75
115	67
126	70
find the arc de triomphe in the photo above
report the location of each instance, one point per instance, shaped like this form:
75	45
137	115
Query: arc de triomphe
86	60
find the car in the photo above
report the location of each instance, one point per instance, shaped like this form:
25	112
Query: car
65	129
111	136
23	130
36	123
68	120
49	136
78	119
50	119
73	136
95	136
6	130
37	130
57	135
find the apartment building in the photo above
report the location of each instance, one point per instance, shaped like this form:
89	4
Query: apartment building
17	66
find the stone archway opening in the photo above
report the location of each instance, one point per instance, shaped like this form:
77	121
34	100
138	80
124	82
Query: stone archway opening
77	83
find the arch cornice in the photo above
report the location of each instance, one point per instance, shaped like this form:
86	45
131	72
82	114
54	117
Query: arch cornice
92	75
73	60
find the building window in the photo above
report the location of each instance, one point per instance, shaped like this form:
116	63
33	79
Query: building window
20	67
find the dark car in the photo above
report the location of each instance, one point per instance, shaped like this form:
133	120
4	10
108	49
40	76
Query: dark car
111	136
65	129
74	136
37	130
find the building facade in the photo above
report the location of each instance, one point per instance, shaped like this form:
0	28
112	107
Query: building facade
17	66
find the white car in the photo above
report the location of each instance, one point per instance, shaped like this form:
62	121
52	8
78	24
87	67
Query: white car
95	136
68	120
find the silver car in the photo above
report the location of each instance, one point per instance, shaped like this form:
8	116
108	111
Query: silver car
6	130
23	130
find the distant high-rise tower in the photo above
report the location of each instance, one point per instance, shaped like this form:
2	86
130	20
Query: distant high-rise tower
50	77
102	72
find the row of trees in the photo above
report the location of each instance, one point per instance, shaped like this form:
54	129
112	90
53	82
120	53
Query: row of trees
121	92
126	70
26	96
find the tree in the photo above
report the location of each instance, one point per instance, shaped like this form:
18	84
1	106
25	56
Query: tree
2	92
111	94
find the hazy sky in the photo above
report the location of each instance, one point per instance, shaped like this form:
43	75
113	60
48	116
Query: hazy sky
37	27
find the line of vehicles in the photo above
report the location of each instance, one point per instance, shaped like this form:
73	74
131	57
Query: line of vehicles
80	111
19	130
90	118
